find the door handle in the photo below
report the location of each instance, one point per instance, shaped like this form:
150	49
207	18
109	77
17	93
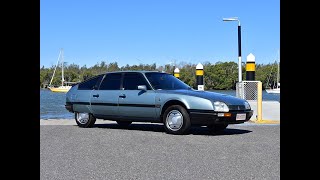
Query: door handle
95	95
122	96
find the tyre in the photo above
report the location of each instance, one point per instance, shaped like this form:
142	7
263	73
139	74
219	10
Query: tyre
216	128
176	120
84	120
124	123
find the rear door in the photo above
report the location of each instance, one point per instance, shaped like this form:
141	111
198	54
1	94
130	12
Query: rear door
104	101
134	103
82	96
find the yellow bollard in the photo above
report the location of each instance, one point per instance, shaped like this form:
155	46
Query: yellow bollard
259	102
199	76
177	73
250	68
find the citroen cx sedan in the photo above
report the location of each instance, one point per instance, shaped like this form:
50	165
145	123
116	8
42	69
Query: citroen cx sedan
151	96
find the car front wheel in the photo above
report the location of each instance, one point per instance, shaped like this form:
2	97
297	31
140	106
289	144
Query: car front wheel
84	120
176	120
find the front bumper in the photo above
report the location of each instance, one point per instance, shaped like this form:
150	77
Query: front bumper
208	117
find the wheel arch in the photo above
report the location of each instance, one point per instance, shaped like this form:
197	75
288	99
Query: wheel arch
170	103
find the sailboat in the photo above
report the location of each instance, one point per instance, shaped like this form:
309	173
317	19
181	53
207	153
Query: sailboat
63	87
276	88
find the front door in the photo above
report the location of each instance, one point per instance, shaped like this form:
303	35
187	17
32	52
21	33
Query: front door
134	103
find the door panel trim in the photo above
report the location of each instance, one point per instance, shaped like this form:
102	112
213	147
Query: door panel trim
138	105
105	104
114	104
82	103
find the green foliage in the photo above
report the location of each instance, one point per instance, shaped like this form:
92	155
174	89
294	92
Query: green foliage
188	75
222	75
219	76
267	74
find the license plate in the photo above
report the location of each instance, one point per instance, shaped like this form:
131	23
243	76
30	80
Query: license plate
241	117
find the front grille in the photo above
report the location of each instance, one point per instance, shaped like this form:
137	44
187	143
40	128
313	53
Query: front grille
236	107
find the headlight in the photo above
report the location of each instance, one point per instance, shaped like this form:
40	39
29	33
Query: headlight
220	107
247	105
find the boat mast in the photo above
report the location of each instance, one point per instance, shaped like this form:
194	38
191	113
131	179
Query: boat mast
55	70
62	77
278	74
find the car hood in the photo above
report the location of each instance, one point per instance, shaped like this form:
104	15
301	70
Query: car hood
213	96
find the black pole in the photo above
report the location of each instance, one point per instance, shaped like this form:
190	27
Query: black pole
239	40
173	70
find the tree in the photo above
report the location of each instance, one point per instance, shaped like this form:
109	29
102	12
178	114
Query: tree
221	75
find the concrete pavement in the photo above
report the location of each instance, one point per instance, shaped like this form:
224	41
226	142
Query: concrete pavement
145	151
270	111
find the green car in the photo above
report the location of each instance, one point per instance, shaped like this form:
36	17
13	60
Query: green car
151	96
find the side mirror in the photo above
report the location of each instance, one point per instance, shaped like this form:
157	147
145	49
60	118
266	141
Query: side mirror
142	87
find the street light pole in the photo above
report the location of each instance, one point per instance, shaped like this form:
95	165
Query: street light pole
239	45
239	52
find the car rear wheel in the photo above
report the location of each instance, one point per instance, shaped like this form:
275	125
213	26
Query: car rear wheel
176	120
84	120
124	123
216	128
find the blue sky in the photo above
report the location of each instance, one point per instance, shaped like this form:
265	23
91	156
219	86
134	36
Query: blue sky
157	31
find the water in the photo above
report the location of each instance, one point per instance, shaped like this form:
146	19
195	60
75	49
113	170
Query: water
52	104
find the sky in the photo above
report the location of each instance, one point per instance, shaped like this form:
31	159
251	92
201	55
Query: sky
157	31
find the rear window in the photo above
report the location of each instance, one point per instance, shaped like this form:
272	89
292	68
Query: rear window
90	83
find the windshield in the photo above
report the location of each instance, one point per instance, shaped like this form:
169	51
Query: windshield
165	81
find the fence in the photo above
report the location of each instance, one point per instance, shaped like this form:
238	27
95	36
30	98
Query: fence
252	92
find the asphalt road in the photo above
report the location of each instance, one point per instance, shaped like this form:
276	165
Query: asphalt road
145	151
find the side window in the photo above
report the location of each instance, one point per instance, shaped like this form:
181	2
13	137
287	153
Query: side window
111	82
131	81
90	83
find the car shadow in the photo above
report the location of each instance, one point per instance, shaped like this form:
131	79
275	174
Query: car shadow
195	130
228	131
